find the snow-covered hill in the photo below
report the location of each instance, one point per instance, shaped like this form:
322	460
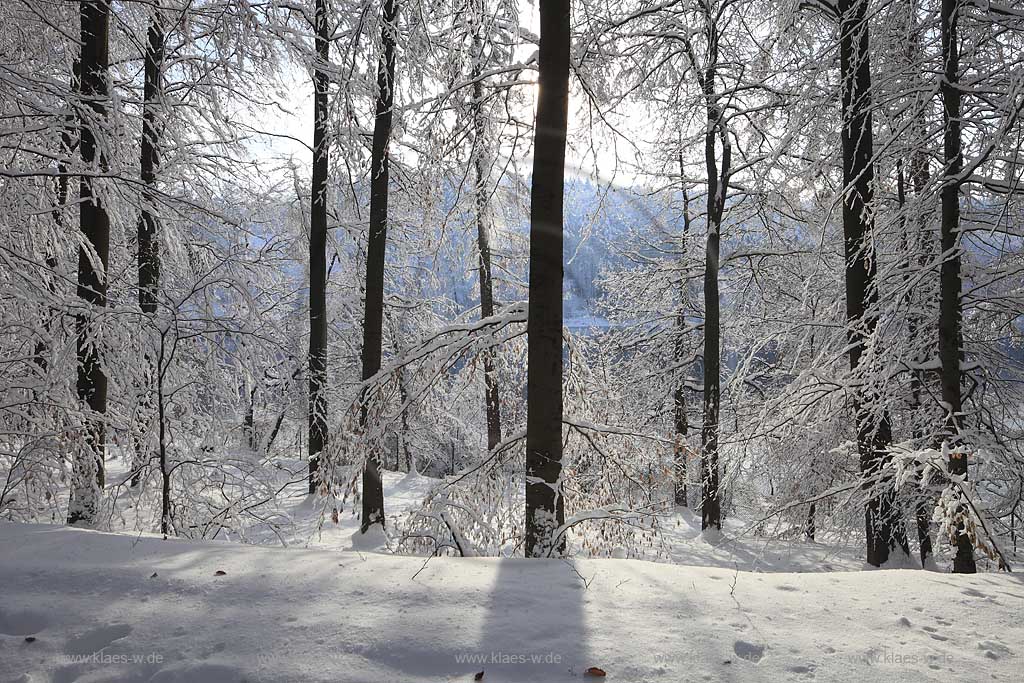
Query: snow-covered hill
87	606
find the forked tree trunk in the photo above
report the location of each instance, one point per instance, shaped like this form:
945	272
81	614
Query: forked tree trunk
87	475
950	316
373	321
317	408
545	507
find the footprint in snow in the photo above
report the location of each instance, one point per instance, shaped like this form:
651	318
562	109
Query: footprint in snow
804	670
994	649
96	639
749	651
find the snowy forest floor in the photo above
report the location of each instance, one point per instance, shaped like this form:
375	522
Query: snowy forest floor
306	525
88	606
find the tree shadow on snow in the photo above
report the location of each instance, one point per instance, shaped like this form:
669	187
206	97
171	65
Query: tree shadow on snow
534	626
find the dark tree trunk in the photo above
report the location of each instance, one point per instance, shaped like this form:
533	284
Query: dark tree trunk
87	477
718	187
403	437
681	460
274	431
67	137
149	246
165	469
918	249
874	433
402	450
318	254
922	515
950	316
922	510
249	421
810	529
149	251
373	491
491	394
680	454
545	507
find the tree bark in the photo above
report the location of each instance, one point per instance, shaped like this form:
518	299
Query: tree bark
545	507
165	469
149	246
950	315
874	434
681	460
42	348
373	321
918	248
492	396
317	414
919	179
149	251
88	475
718	187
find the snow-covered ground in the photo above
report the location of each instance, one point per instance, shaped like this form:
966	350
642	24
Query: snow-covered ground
88	606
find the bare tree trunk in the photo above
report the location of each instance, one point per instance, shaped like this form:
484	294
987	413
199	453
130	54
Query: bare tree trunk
545	507
491	393
923	509
318	254
249	420
87	474
922	515
149	249
402	450
165	469
718	187
67	137
950	316
403	437
149	246
681	460
874	434
917	247
373	491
